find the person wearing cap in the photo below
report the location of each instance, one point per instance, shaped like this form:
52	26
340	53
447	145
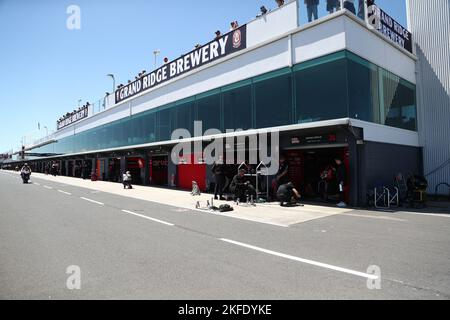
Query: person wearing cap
218	34
126	179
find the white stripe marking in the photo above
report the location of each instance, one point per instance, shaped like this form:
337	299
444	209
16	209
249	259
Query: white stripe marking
47	187
69	194
315	263
148	218
372	217
93	201
38	184
443	215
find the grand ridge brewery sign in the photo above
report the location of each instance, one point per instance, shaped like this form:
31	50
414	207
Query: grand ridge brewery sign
73	117
233	41
389	28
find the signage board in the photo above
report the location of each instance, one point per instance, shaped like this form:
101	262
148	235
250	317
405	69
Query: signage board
220	47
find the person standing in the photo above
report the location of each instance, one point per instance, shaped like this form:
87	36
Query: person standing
218	169
282	174
350	5
126	180
341	177
54	169
280	3
361	10
332	5
311	8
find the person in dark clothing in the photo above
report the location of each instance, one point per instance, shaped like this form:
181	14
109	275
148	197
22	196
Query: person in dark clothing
54	169
350	5
361	13
282	174
241	188
287	194
311	7
333	5
341	177
218	169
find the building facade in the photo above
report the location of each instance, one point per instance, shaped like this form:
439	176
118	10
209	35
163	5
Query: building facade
430	23
333	88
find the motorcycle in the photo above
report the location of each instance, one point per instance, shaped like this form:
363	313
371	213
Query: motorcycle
25	176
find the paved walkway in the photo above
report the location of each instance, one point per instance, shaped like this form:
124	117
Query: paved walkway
270	213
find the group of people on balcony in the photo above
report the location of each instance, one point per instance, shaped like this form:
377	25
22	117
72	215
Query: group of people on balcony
69	114
333	6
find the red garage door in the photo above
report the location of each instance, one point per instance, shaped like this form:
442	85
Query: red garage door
191	172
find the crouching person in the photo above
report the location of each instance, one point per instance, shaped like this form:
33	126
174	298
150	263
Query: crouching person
287	194
241	188
126	179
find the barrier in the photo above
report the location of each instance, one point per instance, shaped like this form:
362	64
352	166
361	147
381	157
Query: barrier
384	200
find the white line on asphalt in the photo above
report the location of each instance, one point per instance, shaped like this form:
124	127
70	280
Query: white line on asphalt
315	263
443	215
47	187
372	217
93	201
148	218
38	184
69	194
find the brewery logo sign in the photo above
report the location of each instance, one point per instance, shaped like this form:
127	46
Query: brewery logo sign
388	27
237	39
229	43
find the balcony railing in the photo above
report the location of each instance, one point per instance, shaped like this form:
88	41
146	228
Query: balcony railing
311	10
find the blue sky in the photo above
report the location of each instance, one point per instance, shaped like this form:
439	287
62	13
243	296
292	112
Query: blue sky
46	68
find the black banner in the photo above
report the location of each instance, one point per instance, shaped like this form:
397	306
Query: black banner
233	41
316	139
73	117
388	27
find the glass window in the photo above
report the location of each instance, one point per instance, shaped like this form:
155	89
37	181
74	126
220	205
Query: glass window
237	108
184	113
321	91
148	124
117	133
164	124
273	101
398	102
137	130
363	89
208	111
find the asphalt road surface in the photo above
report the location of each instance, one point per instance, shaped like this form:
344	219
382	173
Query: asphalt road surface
54	237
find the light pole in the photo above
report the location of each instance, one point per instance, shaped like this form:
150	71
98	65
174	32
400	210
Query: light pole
46	131
114	81
156	52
